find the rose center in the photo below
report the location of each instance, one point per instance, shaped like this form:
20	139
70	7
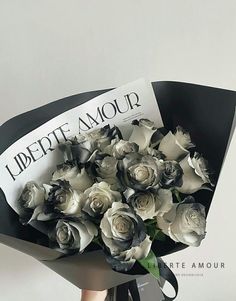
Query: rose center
141	173
122	225
97	203
63	234
61	198
142	202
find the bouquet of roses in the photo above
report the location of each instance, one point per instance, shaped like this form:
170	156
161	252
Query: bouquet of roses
113	198
122	194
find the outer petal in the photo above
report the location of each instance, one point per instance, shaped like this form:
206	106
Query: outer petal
142	136
138	252
85	236
170	148
166	200
191	181
82	181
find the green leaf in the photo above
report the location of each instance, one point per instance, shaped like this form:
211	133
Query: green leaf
160	236
176	193
151	265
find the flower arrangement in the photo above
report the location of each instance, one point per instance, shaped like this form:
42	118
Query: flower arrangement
122	194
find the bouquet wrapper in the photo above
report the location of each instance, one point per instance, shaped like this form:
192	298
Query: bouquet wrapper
208	113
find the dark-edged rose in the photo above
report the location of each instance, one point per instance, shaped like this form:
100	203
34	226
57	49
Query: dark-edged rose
171	175
62	199
154	153
185	222
148	204
104	136
79	148
77	177
83	147
98	198
143	131
195	174
123	233
32	195
140	172
175	146
106	170
119	148
74	235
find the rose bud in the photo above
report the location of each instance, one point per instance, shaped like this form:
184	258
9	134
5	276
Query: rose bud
74	235
140	172
195	174
98	198
123	233
32	196
78	178
185	223
143	131
171	174
175	146
148	204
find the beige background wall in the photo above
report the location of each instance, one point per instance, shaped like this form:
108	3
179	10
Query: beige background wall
50	49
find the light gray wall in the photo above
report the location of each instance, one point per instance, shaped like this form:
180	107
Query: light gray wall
50	49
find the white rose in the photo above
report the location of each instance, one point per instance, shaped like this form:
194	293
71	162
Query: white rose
140	172
142	133
32	196
98	198
123	233
185	223
195	174
78	178
75	235
175	146
148	204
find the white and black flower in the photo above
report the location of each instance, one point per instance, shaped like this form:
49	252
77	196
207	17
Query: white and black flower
32	195
154	153
98	198
74	235
175	146
185	222
123	233
106	171
148	204
143	131
103	136
77	177
84	147
171	175
119	148
195	174
140	172
79	149
63	200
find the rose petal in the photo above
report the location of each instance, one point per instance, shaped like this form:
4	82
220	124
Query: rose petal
191	181
141	136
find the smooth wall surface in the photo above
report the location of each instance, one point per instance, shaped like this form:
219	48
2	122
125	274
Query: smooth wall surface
51	49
